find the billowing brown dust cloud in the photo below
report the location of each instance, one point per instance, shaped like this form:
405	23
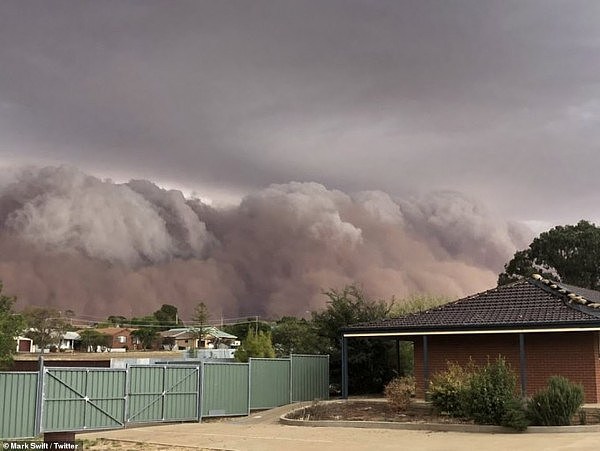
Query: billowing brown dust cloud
72	241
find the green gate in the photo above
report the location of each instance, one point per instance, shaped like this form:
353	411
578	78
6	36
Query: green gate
270	384
162	393
18	399
83	399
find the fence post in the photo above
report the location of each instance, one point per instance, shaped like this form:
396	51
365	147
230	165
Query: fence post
249	384
201	392
291	400
39	396
199	368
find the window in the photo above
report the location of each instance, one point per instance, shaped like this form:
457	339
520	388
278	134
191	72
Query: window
122	339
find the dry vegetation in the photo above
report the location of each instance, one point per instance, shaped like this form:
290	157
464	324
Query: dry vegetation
106	445
370	411
418	412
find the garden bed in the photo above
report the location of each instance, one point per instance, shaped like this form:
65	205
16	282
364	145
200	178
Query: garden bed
419	416
371	410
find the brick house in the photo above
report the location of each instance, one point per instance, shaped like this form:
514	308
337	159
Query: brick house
120	338
542	328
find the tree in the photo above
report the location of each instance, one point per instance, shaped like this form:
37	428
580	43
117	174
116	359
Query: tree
415	303
367	358
142	321
200	317
241	330
45	325
11	326
146	335
167	316
570	254
117	320
91	338
255	345
295	336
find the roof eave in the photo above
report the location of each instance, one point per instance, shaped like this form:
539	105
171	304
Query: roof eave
476	329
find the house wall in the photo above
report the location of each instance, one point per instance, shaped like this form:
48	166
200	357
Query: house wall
574	355
128	340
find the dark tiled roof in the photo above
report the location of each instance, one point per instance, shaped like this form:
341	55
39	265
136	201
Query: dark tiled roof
525	304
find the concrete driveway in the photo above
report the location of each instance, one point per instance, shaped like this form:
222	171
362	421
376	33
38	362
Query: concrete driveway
261	432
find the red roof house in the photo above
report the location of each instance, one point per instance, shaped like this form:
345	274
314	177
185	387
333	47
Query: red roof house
542	328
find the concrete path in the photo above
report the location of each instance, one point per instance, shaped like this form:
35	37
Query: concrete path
261	432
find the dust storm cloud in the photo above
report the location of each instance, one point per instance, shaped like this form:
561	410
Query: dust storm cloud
73	241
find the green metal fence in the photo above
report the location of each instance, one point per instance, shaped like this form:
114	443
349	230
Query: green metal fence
79	399
225	389
18	396
270	383
162	393
310	377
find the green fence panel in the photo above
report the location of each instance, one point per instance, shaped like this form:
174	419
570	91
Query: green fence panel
182	394
162	393
144	394
83	399
18	394
310	377
269	383
225	389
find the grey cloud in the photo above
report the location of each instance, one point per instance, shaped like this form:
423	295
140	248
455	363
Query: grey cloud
489	98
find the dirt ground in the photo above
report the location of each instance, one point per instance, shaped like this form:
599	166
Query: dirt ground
262	432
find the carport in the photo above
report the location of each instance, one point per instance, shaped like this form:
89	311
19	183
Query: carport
542	328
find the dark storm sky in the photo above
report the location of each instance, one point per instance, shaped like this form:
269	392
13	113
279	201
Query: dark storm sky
499	100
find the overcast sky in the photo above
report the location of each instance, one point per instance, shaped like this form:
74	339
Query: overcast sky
499	100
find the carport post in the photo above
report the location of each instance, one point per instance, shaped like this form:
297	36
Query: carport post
398	356
522	364
425	364
344	368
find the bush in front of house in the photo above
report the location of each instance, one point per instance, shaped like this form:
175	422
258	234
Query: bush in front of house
556	404
489	393
515	416
399	391
485	394
446	389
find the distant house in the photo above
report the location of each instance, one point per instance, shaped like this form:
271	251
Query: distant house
187	338
65	342
68	341
120	338
542	328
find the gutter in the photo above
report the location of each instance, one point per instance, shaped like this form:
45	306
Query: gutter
391	333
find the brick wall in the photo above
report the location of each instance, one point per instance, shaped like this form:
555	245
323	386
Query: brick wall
574	355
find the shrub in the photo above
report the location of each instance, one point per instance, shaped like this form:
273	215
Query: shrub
399	391
446	388
489	393
556	404
515	415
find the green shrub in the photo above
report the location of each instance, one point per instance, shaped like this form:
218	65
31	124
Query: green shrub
556	404
515	415
446	388
489	393
399	391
